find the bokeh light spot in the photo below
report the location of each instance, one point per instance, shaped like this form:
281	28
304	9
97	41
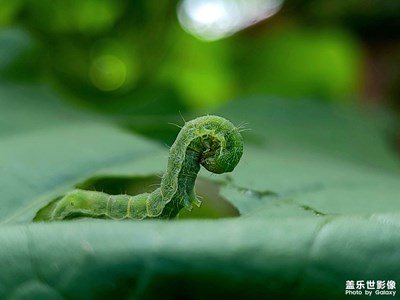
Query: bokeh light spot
215	19
107	72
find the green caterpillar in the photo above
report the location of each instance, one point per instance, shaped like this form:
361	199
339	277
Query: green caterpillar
210	141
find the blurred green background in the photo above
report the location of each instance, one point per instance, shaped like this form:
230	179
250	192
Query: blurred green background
143	63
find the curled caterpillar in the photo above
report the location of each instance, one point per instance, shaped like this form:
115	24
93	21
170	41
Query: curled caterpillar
210	141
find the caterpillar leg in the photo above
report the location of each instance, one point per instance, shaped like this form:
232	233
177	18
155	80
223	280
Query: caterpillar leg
189	200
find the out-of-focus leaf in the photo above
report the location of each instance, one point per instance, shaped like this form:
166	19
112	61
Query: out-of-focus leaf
9	9
243	258
189	67
301	62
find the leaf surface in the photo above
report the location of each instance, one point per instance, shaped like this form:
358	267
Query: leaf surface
317	189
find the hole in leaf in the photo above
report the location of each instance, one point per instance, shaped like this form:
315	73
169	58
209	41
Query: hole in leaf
213	204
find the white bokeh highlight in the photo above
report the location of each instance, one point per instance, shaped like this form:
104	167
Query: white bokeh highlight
216	19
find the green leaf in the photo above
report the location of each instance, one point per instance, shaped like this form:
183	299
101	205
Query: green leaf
290	258
317	189
47	147
331	159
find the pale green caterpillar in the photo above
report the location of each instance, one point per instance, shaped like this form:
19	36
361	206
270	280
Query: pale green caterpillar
210	141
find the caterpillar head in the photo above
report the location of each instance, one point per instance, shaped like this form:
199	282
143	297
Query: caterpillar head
223	150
